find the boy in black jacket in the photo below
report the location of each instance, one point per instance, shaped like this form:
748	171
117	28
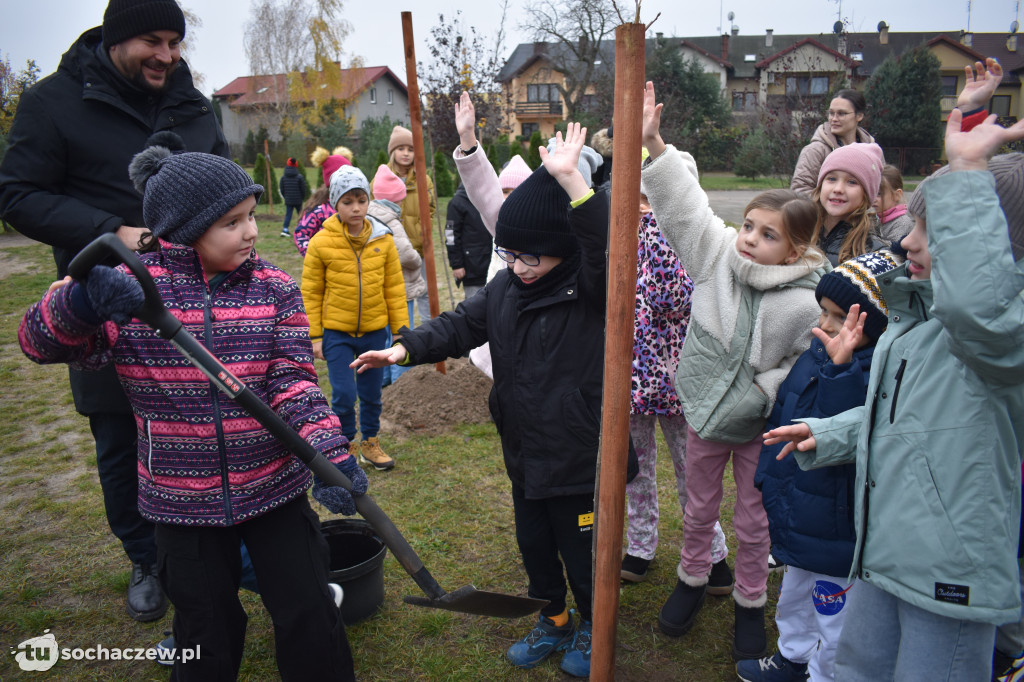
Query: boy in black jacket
544	318
468	242
293	190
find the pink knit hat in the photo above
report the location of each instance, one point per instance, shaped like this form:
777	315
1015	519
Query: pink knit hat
862	160
387	185
333	163
514	172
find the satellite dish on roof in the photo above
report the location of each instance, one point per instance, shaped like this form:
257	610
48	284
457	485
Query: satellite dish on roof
882	26
837	27
1014	26
730	16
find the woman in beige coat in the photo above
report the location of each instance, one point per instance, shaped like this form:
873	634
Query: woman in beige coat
842	127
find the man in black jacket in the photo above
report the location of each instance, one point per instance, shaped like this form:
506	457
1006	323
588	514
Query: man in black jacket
468	242
293	190
64	181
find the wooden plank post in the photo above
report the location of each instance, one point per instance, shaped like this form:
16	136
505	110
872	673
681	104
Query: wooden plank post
420	164
266	163
618	349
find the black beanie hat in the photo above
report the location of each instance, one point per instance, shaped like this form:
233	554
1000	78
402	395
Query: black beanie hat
126	19
853	281
535	218
185	193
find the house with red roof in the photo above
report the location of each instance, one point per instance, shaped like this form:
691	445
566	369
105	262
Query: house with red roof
248	102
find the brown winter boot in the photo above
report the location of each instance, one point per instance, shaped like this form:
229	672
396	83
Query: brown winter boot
371	453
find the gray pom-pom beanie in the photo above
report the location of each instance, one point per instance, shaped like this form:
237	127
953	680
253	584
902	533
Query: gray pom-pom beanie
184	194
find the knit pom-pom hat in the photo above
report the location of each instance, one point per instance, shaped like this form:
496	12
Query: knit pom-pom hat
184	193
346	179
1008	171
535	218
387	185
862	160
399	136
853	281
514	172
329	162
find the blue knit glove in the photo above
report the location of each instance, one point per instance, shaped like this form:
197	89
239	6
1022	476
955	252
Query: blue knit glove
113	294
336	498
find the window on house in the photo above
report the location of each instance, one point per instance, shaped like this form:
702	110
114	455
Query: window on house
744	101
1000	105
529	129
588	103
807	85
949	86
373	95
542	92
391	96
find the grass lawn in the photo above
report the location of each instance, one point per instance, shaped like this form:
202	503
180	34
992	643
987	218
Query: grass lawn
64	572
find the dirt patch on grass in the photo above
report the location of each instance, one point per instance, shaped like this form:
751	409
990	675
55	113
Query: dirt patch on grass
424	402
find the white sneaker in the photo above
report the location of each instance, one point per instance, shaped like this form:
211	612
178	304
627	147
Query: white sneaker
337	593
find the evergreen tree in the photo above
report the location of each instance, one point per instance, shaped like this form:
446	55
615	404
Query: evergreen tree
249	148
903	96
693	96
754	157
259	176
444	185
492	156
533	156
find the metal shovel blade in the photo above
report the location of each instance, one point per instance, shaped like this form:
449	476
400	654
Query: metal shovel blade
468	599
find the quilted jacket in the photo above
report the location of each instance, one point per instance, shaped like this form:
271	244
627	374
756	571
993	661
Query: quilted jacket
353	284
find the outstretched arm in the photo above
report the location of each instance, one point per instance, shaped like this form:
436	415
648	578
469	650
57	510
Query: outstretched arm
563	162
465	121
379	358
972	150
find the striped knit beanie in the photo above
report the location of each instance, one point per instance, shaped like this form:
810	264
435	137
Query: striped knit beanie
853	281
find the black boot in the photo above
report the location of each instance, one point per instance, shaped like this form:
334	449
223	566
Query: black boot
146	600
749	640
681	608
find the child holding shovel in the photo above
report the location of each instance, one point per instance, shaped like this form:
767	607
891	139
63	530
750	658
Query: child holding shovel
209	475
544	318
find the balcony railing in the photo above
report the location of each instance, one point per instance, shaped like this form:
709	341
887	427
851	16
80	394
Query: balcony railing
538	109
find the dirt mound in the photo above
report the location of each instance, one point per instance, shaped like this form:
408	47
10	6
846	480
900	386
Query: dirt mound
424	402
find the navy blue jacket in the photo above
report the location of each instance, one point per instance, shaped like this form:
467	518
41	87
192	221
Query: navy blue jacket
810	513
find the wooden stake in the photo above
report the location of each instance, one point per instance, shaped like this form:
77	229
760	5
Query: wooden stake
420	165
618	348
266	162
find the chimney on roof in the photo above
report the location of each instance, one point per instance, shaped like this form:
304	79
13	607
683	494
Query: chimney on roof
538	47
725	46
583	43
883	33
1011	42
768	37
966	38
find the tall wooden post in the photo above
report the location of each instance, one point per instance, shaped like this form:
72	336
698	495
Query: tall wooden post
420	164
266	162
618	348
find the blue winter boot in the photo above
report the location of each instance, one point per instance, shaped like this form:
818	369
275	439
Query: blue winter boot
543	640
576	661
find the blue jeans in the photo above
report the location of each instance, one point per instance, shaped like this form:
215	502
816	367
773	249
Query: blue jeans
288	208
886	638
339	350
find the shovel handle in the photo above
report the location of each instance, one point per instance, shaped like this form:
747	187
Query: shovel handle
153	313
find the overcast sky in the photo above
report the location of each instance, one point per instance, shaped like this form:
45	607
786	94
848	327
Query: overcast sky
44	29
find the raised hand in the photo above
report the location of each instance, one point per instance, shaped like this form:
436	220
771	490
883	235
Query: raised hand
651	130
563	162
973	149
798	435
981	81
465	121
840	349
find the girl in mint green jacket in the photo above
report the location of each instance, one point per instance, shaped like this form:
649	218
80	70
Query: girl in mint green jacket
938	446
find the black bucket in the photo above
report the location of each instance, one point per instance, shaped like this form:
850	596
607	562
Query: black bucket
357	564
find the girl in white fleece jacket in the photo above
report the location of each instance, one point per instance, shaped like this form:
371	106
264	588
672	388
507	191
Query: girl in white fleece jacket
752	311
